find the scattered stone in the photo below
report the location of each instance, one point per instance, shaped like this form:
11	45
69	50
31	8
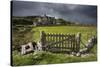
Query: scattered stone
73	53
86	55
84	50
39	46
26	48
78	54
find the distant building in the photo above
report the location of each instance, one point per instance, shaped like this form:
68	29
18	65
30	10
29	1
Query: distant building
77	23
44	20
35	23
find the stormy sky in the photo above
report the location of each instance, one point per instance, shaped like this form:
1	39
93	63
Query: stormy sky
69	12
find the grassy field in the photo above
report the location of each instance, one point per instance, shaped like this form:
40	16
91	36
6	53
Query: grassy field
65	30
46	57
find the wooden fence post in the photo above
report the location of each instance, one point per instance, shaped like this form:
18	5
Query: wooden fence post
43	39
78	39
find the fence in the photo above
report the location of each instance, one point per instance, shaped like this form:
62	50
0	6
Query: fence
60	42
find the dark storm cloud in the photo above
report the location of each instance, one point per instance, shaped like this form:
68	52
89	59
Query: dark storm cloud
88	10
76	13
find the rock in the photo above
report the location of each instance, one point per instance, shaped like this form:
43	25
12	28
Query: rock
83	50
26	48
23	51
73	53
85	55
78	54
39	46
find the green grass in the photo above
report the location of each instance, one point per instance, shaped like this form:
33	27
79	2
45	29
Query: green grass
64	30
49	58
46	57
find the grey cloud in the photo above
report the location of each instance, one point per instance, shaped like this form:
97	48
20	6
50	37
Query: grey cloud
77	13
